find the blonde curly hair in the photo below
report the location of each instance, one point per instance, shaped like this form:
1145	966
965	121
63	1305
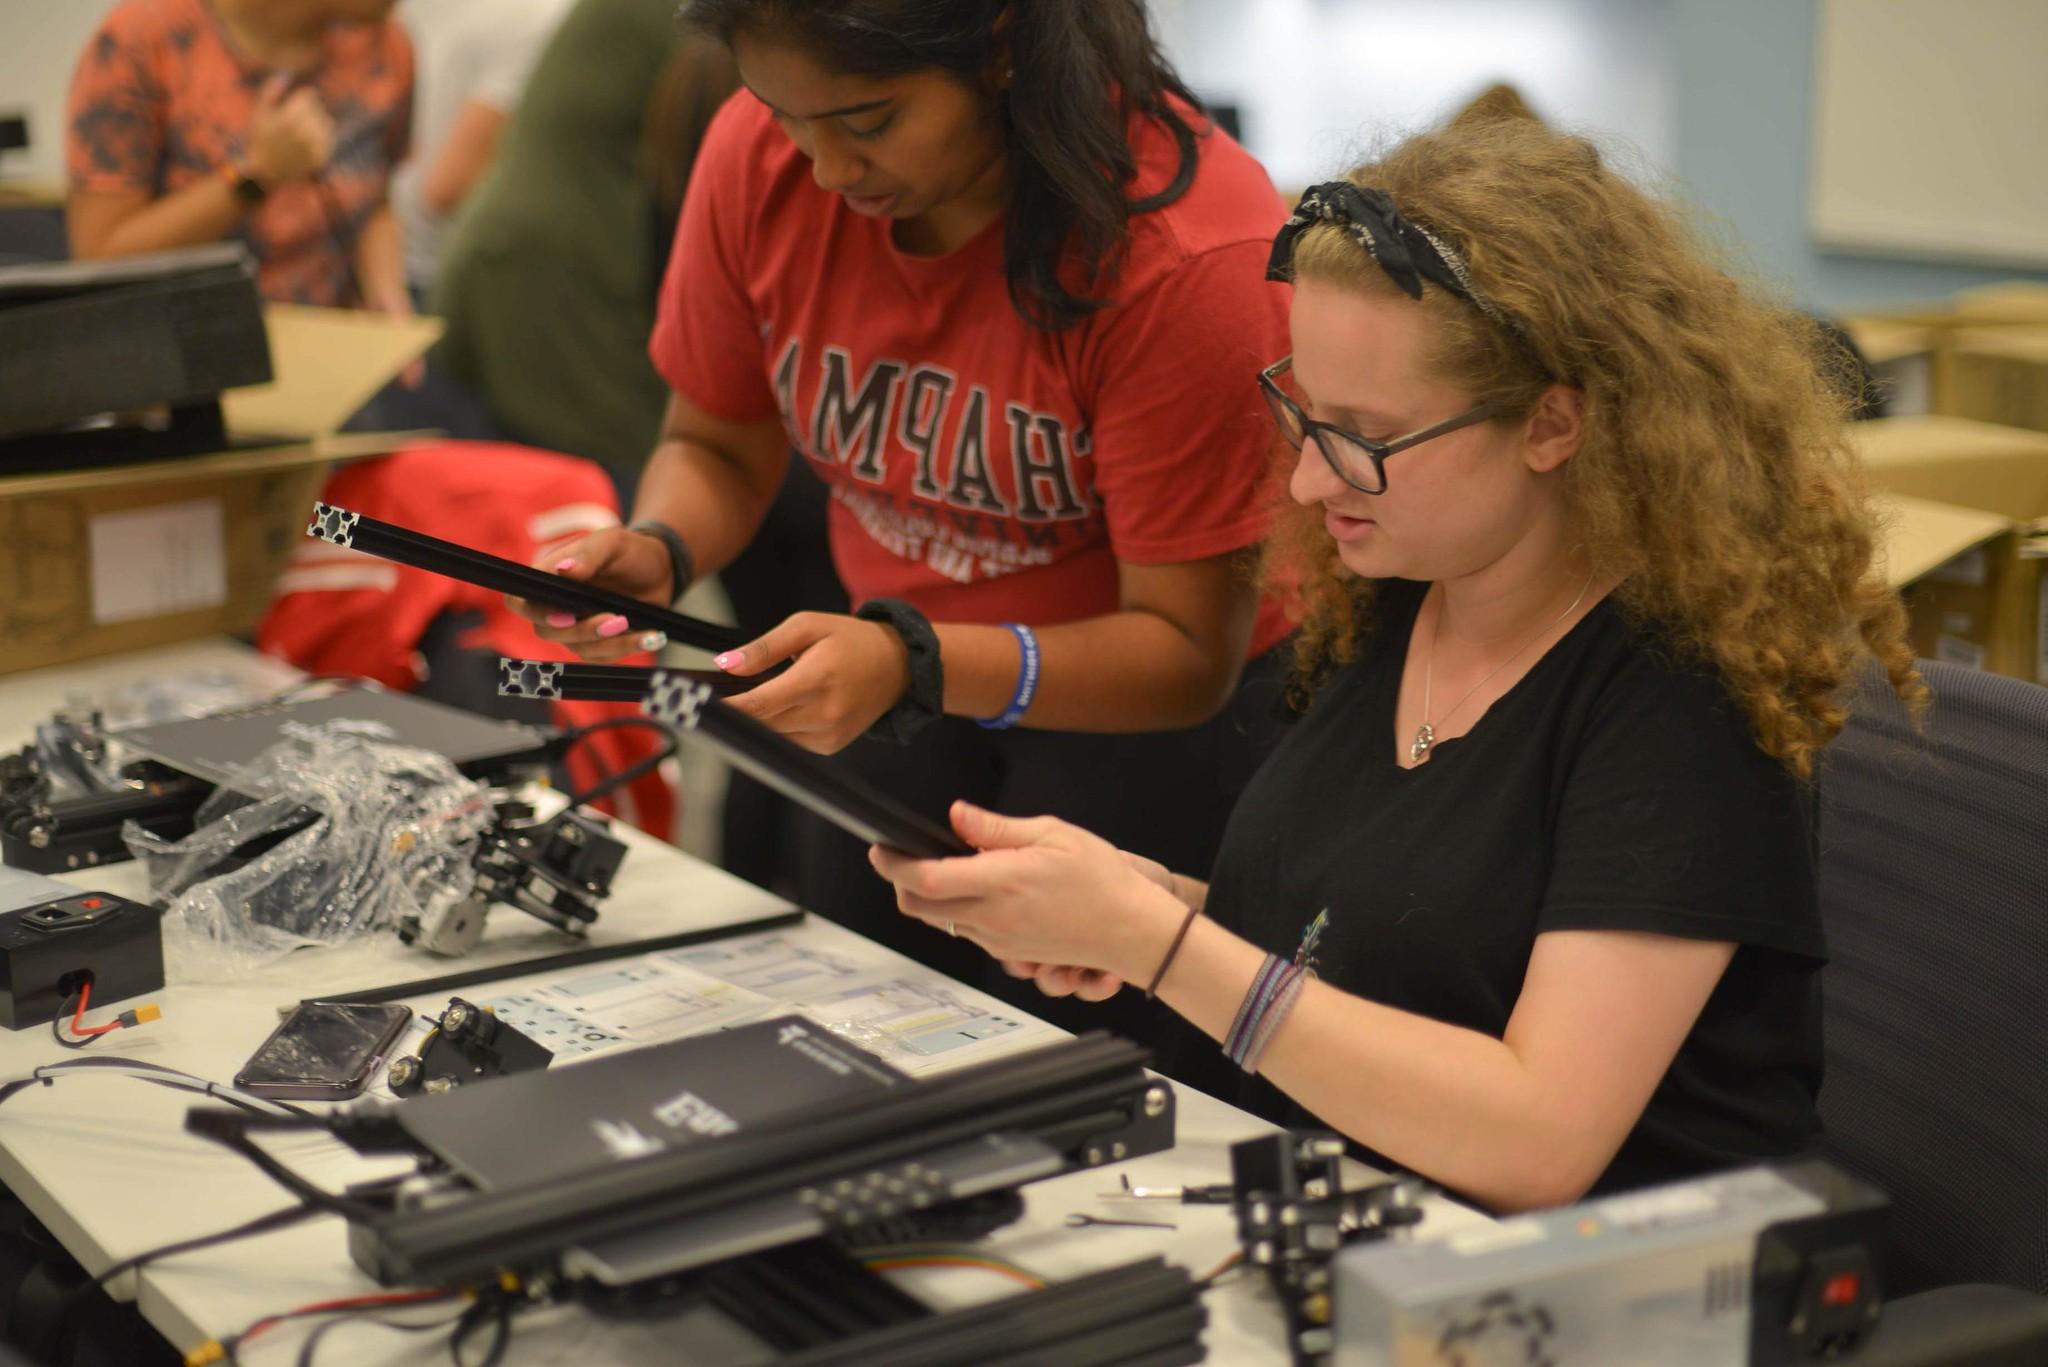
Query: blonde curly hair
1714	479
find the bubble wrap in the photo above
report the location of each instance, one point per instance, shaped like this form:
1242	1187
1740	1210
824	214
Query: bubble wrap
329	836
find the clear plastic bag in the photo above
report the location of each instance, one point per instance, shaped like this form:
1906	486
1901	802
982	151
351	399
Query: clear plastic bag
328	836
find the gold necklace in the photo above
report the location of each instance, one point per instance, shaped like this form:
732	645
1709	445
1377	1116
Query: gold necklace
1425	734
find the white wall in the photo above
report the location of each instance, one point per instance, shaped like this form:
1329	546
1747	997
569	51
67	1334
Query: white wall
39	45
1319	82
1745	150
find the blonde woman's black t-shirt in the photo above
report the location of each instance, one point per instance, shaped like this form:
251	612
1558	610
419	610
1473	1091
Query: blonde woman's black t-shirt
1614	787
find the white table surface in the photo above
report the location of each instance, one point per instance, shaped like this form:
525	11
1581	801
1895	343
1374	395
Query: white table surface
104	1162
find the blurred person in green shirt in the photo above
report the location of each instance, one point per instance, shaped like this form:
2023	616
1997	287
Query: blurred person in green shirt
549	274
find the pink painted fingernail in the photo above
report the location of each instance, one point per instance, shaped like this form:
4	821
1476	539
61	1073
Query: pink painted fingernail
561	619
732	659
562	566
612	626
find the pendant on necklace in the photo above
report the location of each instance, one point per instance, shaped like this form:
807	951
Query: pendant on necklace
1425	736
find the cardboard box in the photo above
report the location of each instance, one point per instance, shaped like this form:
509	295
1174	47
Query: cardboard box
1910	346
1996	375
1967	523
97	561
1948	563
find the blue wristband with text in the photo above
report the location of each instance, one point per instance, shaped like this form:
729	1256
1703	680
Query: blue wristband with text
1027	681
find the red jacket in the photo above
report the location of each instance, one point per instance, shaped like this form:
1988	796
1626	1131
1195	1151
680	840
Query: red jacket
337	611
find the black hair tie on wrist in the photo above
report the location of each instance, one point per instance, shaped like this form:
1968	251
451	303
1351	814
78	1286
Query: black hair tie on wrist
682	566
924	701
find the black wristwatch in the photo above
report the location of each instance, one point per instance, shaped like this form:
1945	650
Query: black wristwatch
682	566
249	191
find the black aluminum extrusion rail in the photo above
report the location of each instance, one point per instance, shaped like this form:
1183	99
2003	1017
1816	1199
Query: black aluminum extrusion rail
387	541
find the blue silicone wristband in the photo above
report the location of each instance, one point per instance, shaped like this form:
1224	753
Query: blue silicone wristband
1027	681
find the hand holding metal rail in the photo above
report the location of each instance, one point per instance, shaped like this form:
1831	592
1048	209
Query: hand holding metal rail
817	781
340	527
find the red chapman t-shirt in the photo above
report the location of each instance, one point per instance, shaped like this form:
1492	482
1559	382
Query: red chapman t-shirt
982	469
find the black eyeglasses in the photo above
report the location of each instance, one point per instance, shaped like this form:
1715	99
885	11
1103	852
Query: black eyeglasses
1359	461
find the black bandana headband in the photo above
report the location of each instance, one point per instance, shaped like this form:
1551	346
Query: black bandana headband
1408	254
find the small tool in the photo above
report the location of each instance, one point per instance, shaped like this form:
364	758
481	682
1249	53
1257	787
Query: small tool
1081	1220
1221	1194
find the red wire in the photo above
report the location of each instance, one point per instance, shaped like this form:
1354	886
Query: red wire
84	994
350	1303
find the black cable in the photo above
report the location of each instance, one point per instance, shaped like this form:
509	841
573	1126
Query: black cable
172	1078
632	773
262	1224
370	1315
496	1307
344	1206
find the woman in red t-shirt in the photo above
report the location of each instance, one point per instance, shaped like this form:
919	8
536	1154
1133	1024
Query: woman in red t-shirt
998	280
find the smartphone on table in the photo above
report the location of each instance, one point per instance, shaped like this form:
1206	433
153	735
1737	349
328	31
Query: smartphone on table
324	1051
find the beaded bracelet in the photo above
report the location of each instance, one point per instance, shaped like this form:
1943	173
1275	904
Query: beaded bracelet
1276	1013
1253	1005
1027	681
1265	1005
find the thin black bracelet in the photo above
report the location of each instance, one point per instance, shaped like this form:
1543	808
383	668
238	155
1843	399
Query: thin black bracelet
924	702
682	566
1152	988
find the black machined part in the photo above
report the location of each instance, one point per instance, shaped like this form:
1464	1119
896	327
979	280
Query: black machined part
1089	1099
816	781
553	679
818	1307
556	870
469	1043
1147	1312
809	1294
44	833
388	541
1293	1215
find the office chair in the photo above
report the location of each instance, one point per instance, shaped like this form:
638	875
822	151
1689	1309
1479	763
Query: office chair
1934	890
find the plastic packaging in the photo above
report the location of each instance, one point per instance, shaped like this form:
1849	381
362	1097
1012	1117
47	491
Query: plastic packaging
328	836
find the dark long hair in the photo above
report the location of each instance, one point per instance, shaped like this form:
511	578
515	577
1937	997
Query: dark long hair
1081	70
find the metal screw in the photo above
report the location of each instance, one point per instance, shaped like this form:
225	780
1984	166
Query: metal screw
1094	1157
1155	1101
1117	1150
39	836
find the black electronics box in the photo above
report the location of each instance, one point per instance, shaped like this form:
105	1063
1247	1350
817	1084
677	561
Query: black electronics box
165	332
52	935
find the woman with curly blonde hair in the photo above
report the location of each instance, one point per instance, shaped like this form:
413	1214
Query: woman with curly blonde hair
1526	902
